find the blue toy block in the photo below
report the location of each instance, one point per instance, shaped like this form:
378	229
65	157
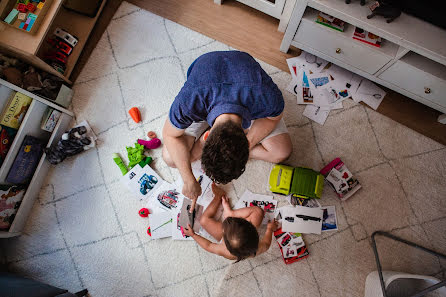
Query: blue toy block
30	25
32	16
12	16
21	25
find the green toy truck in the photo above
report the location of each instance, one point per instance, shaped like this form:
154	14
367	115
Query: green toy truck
300	182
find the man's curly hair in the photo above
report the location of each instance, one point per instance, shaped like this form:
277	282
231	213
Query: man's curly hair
225	153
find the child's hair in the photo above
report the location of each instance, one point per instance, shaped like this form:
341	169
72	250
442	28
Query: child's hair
225	153
241	237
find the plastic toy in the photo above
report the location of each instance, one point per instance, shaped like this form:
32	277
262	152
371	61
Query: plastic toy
21	16
31	7
135	114
143	212
300	182
120	163
169	198
12	16
149	232
150	144
151	134
62	46
22	7
145	162
135	154
73	142
40	5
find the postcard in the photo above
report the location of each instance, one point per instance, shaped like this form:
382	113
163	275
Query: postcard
165	197
317	113
302	219
265	202
370	94
177	231
186	216
142	181
160	224
329	222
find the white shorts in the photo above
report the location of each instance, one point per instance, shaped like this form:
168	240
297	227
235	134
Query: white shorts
197	129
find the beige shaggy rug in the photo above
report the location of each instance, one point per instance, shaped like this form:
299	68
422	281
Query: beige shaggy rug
84	231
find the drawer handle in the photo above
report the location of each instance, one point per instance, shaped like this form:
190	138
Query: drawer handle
338	50
427	90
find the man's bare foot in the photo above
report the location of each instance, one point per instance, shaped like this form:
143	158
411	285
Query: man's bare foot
227	210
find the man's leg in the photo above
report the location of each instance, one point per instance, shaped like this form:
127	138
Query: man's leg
275	149
193	140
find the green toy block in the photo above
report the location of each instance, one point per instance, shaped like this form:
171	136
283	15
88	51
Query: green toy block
32	16
120	163
23	2
12	16
145	162
135	154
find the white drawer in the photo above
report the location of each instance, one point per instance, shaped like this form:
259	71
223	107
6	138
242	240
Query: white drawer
418	81
341	46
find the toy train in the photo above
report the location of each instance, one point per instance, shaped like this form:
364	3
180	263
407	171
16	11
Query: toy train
62	47
300	182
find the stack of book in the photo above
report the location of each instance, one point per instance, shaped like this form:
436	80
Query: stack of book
329	21
291	245
340	179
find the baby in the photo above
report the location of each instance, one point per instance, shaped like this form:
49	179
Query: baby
238	230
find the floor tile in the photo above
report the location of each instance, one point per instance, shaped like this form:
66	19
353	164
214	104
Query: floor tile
297	276
172	261
88	103
137	48
398	141
95	222
115	271
56	269
380	187
335	139
423	178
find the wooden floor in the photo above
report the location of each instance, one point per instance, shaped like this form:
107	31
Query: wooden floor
249	30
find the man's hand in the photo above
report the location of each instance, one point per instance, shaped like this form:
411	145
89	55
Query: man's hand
192	190
189	231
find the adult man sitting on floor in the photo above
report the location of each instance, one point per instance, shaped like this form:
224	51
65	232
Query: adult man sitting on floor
230	94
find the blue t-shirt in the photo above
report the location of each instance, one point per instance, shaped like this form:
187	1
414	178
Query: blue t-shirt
225	82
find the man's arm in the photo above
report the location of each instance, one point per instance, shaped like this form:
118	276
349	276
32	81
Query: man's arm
180	154
262	128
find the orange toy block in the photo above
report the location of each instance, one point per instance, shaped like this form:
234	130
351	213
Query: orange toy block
135	114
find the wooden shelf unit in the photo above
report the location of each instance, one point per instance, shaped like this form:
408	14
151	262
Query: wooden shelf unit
32	47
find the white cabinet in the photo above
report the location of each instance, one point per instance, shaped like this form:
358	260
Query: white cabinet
411	60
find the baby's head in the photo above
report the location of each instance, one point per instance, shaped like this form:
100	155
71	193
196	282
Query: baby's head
241	237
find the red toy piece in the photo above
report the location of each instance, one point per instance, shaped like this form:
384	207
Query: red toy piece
150	144
151	134
144	212
31	7
22	7
149	232
135	114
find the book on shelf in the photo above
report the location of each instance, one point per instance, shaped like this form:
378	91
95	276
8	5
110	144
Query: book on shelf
340	179
367	37
49	119
331	22
7	135
26	161
10	199
15	110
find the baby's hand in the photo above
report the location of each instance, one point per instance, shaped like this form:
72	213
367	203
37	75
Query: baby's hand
273	225
218	192
189	231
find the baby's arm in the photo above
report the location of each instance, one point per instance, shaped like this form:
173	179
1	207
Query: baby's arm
218	249
265	243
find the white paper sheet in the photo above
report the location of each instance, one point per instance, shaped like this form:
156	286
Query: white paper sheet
266	202
291	222
370	94
316	113
166	197
160	224
142	181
